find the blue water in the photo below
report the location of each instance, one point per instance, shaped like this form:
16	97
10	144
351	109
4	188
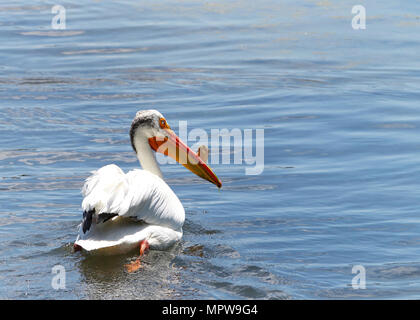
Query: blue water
340	113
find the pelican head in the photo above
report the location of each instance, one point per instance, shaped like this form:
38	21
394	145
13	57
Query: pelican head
150	131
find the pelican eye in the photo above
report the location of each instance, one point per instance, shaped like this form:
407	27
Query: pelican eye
162	123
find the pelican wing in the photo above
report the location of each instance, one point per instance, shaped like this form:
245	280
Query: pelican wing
139	194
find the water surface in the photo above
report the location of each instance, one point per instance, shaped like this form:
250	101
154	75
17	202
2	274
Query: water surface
340	113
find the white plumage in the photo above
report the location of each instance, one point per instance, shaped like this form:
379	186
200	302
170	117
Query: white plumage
155	212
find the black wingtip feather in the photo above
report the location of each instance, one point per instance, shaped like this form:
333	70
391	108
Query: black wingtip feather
87	220
104	217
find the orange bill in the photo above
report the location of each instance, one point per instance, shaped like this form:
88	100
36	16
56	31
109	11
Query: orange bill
179	151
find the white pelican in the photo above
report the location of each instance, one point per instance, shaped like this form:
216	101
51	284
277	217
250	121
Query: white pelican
122	211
